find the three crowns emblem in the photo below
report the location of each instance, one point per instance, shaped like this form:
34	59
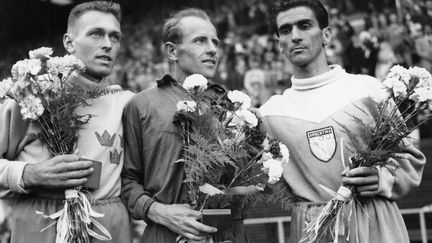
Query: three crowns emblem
115	156
106	139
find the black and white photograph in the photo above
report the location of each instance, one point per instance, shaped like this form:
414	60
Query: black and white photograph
215	121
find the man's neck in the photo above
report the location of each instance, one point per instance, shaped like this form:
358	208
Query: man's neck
177	73
86	81
319	66
91	78
179	77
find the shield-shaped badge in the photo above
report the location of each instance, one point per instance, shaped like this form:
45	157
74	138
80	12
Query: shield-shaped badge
322	143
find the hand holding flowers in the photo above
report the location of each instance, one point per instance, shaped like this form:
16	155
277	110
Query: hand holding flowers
408	93
42	88
226	151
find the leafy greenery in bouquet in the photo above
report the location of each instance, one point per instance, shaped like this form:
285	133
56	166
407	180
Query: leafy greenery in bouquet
41	87
226	150
408	94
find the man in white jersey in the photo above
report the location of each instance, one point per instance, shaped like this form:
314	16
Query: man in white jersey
307	119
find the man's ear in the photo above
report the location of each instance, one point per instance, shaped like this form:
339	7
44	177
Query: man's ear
327	35
67	43
170	50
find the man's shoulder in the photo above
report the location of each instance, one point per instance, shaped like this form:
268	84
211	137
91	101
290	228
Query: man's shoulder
363	77
362	80
143	98
365	86
272	106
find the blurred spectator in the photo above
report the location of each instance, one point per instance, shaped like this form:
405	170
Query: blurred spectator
257	83
420	15
369	53
334	51
344	33
280	77
385	60
236	73
222	73
400	41
423	46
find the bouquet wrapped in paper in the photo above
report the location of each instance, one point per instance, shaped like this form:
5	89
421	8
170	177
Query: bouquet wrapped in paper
226	151
408	94
40	85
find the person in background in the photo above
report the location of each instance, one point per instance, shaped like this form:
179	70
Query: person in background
423	47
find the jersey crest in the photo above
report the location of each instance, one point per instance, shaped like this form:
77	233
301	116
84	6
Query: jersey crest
322	143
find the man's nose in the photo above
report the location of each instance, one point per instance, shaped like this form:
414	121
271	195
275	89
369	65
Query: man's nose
212	47
106	43
295	34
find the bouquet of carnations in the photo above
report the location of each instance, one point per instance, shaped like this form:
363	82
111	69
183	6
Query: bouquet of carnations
408	94
40	85
226	151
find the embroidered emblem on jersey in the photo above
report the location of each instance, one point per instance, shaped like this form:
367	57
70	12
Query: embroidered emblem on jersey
115	156
322	143
106	139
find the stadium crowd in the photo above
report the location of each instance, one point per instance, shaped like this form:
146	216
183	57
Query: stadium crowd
364	43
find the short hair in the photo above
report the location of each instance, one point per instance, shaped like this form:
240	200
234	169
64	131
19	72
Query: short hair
100	6
171	31
316	6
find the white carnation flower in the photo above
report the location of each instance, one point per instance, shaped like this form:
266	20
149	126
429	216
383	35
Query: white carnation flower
5	86
64	65
195	80
421	95
266	144
399	89
248	117
239	97
56	85
236	120
15	90
424	77
71	60
34	66
31	107
273	168
187	106
45	52
389	82
44	83
22	84
266	156
400	73
21	68
285	152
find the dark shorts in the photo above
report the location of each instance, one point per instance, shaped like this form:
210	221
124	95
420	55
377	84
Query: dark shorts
26	225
